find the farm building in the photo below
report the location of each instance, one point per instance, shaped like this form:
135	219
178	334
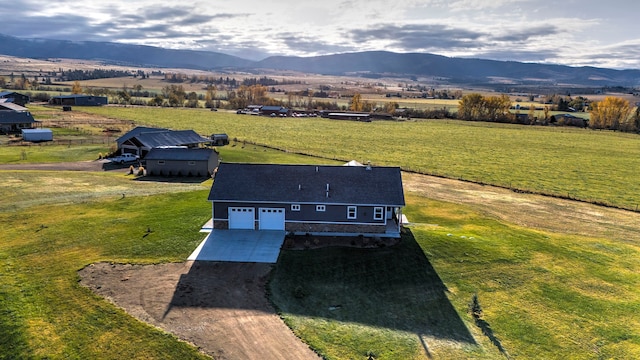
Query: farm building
36	135
181	162
219	139
274	111
14	117
14	97
349	116
320	200
79	100
141	140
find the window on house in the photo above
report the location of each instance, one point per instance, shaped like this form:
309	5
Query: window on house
321	208
352	212
192	162
160	162
295	207
378	213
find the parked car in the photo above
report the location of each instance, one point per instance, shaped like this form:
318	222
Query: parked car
124	158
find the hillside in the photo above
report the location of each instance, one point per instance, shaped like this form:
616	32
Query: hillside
372	64
120	54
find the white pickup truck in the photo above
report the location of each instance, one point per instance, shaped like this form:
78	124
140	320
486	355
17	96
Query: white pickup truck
124	158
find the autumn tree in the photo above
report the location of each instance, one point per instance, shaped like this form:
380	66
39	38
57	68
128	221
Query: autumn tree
390	107
531	116
76	88
356	103
471	107
498	108
484	108
611	113
192	100
210	96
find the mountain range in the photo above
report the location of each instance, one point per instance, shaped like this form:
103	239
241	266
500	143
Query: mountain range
371	64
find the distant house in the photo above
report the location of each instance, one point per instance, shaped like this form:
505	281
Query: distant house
141	140
37	135
14	118
14	97
181	162
274	111
78	100
320	200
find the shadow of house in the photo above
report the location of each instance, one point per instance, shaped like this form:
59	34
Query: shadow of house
393	287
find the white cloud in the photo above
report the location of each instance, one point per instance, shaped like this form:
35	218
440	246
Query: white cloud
588	32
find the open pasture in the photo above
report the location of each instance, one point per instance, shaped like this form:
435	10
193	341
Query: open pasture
544	294
595	166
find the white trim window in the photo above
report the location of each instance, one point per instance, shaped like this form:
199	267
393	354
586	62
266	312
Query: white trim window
352	212
378	213
192	163
295	207
321	208
160	162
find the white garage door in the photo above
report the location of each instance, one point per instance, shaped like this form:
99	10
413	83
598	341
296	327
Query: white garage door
271	218
241	218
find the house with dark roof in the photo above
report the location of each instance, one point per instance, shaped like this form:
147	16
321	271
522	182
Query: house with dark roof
274	111
313	199
78	100
141	140
14	118
180	161
14	97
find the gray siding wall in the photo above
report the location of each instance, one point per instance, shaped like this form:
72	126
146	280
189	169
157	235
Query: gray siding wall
177	168
333	213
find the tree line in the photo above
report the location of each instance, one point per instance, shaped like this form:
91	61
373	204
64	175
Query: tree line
611	113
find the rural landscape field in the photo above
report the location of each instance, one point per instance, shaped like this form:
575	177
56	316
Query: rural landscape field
538	224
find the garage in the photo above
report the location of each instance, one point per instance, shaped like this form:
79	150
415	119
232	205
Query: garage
242	218
271	218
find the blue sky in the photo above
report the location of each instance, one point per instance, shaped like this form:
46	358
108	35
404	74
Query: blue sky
576	33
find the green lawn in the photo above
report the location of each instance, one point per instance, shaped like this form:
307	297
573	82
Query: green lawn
596	166
43	153
45	313
543	295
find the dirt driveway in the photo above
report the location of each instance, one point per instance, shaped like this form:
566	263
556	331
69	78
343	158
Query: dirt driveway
219	307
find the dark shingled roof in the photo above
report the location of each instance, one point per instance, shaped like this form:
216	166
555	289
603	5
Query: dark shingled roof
16	117
136	131
170	138
308	184
182	154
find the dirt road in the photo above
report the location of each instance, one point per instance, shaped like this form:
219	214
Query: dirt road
220	307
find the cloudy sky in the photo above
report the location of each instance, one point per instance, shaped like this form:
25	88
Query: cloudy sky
581	32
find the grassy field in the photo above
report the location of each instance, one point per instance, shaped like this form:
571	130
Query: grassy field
546	295
44	312
40	153
596	166
543	295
